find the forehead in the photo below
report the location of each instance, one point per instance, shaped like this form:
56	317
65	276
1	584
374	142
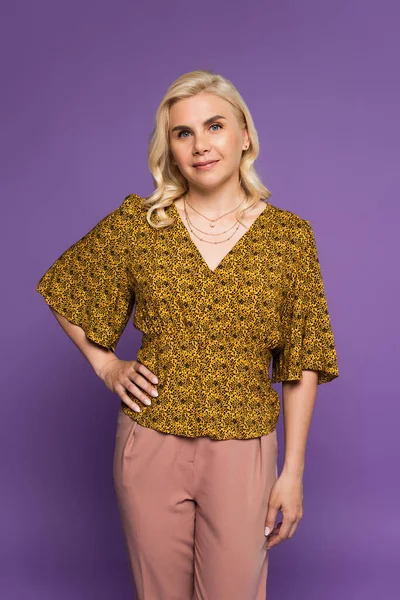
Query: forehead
198	108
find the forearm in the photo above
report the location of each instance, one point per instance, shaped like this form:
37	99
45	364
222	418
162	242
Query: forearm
298	398
96	355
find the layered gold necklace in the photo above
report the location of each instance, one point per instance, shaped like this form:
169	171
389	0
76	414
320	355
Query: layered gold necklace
212	222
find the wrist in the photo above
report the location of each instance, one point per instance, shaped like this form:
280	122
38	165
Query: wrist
293	470
99	367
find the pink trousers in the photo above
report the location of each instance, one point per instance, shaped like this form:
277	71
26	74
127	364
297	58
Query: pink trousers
193	512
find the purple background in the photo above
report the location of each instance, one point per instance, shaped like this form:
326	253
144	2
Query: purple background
81	83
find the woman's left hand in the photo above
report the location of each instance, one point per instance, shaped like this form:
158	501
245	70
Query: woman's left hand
287	496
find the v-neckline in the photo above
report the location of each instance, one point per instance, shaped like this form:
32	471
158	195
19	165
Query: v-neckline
239	242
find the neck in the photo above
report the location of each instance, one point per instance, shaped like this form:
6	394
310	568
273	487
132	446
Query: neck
215	202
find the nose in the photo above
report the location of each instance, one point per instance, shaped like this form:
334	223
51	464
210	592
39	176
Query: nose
200	144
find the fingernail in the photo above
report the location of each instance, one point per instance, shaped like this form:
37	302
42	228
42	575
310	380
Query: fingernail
155	380
267	531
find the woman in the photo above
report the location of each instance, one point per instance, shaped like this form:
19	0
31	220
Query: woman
223	282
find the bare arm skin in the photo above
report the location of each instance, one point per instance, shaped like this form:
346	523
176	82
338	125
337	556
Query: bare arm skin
298	405
118	375
287	494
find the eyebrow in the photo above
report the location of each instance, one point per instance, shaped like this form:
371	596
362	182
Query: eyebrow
207	122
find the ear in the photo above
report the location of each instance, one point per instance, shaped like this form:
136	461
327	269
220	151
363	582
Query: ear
246	140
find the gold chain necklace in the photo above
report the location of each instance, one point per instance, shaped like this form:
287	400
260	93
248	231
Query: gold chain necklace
206	232
211	225
212	221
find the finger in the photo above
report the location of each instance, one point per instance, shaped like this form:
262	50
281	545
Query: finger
139	381
141	375
125	398
136	391
270	519
286	525
295	524
141	368
293	529
275	538
274	532
274	541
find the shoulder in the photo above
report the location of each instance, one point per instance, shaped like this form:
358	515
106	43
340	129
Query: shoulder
131	205
118	226
294	234
290	222
130	214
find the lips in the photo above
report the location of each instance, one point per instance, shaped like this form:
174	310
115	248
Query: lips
202	164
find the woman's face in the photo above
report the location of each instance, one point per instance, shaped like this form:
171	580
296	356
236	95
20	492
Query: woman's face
204	128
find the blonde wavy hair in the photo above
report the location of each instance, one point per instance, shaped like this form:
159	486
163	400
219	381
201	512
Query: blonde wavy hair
168	181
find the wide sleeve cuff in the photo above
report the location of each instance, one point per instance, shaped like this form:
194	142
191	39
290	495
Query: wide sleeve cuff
308	337
91	284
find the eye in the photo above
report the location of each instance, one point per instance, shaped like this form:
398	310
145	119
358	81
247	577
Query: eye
186	131
216	124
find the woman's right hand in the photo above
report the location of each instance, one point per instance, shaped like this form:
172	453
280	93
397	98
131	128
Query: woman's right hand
122	375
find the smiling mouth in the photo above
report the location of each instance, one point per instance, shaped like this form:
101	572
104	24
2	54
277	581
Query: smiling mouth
206	166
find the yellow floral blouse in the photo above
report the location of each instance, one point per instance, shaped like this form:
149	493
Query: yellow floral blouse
209	336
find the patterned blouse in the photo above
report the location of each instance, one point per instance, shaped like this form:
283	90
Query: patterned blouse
208	335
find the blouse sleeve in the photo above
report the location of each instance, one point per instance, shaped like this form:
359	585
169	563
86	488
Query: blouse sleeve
308	338
90	283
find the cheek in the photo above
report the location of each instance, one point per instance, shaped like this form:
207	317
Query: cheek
228	146
181	156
